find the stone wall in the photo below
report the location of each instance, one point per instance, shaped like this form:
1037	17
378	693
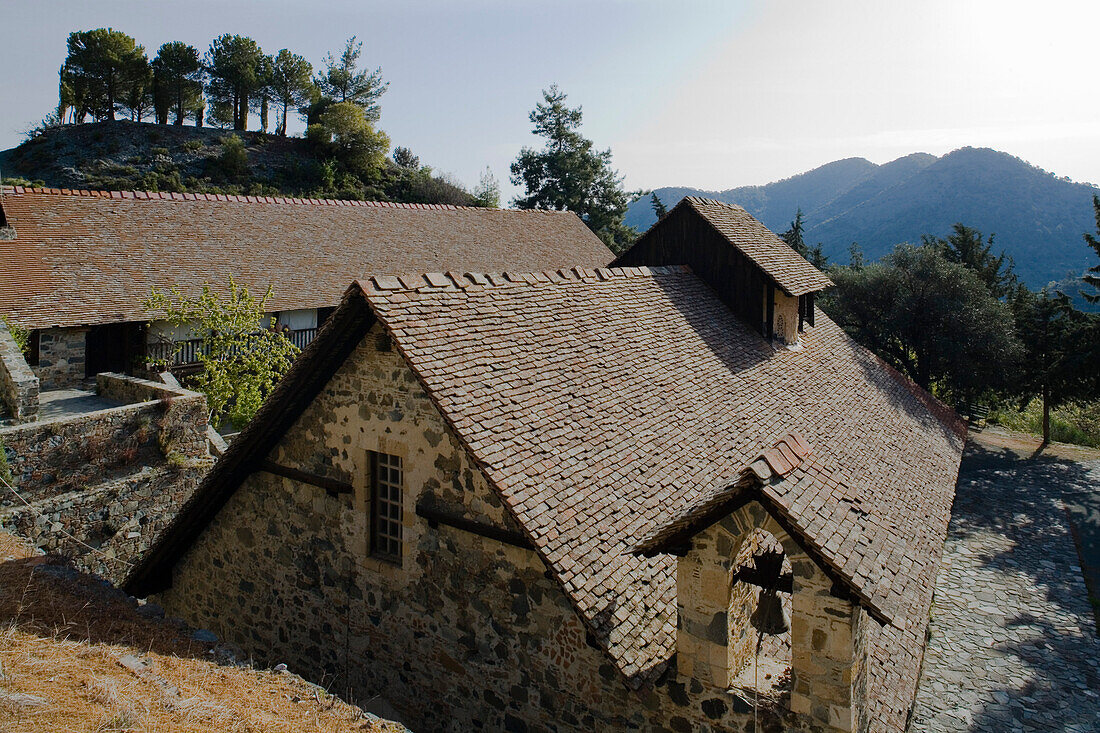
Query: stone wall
18	385
466	633
61	354
121	519
52	457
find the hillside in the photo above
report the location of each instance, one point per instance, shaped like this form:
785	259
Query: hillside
79	655
1037	218
124	155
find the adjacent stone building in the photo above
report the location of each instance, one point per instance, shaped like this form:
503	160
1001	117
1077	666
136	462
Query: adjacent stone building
565	499
76	267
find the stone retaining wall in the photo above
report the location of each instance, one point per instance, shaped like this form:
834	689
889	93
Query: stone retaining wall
18	385
120	518
55	456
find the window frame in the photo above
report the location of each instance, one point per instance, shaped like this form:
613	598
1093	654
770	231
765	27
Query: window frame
382	543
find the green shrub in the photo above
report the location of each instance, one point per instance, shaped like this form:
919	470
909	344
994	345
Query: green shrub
158	151
233	162
1072	423
5	469
21	335
194	146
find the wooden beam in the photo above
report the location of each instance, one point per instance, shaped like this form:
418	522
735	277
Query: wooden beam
437	517
765	580
331	486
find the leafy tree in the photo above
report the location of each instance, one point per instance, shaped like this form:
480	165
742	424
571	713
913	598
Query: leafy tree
345	127
342	81
101	67
1059	364
405	158
487	191
932	318
290	83
658	208
567	174
242	356
965	246
235	65
1092	277
179	73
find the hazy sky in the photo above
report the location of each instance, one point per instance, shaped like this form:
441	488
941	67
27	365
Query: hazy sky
708	94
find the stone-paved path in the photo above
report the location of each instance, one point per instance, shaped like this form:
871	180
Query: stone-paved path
1014	644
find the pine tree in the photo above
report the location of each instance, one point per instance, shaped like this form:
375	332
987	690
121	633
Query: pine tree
966	246
793	236
179	74
658	208
341	81
567	174
1057	366
1092	277
290	83
100	71
236	68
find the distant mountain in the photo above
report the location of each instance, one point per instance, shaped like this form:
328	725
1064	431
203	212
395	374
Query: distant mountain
1036	217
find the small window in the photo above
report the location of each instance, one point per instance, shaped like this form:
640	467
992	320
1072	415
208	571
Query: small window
387	511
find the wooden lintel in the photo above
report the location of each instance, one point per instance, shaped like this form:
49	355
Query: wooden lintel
436	516
330	485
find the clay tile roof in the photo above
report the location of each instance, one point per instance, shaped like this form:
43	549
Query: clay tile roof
87	257
774	256
610	405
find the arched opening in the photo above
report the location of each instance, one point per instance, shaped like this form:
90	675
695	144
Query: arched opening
759	658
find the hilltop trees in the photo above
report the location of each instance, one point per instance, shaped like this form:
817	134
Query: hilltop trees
178	75
568	174
106	71
236	67
342	81
290	83
100	74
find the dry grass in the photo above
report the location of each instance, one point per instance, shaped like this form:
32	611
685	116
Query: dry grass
1028	445
62	636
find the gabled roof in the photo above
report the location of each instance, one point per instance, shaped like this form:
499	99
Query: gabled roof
771	254
605	403
88	257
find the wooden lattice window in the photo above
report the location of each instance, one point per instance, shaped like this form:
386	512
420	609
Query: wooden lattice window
387	511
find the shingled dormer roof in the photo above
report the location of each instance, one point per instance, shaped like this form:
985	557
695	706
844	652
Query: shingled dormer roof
771	254
89	257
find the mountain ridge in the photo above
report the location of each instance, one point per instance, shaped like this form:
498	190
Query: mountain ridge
1035	216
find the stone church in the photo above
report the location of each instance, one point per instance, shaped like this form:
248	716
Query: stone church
668	498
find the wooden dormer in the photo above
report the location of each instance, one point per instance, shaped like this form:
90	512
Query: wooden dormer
760	277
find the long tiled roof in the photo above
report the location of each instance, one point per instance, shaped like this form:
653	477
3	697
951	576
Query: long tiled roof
87	257
604	404
789	269
607	404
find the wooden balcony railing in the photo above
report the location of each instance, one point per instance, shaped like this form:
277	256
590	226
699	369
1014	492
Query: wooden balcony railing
186	352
